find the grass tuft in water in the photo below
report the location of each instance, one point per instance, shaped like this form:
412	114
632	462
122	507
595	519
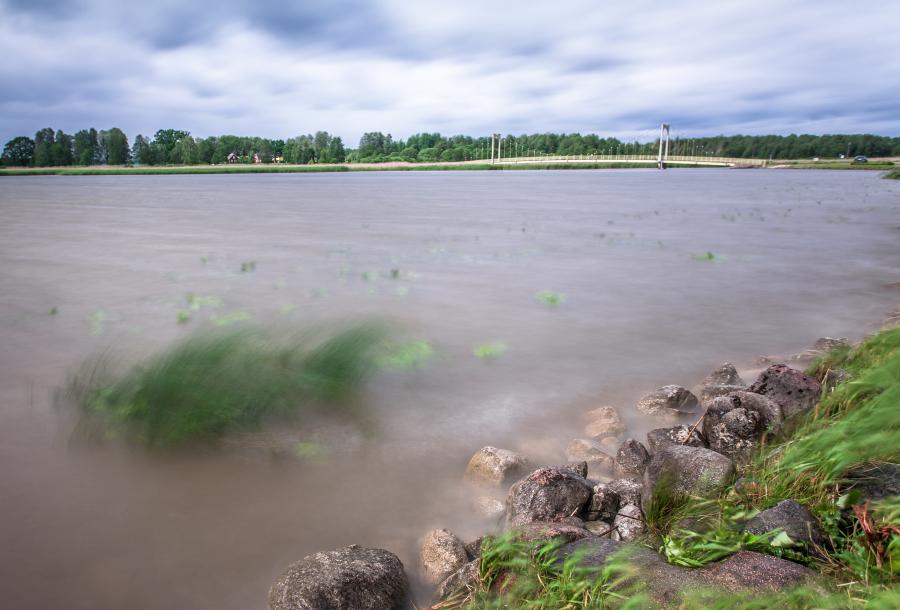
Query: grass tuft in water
215	382
550	298
248	266
411	354
490	350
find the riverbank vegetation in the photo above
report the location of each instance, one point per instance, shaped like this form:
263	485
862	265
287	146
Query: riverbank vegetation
840	461
168	147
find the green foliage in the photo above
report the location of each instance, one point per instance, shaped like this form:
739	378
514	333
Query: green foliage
550	298
490	350
231	318
709	257
215	382
248	266
405	355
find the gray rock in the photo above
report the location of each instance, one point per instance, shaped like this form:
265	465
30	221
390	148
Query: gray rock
628	490
873	482
487	507
628	524
464	579
608	444
543	531
579	468
599	463
603	421
677	435
603	529
473	548
792	517
604	503
833	378
497	467
746	571
351	578
442	553
792	390
683	470
708	393
734	424
670	400
726	374
547	494
631	459
826	344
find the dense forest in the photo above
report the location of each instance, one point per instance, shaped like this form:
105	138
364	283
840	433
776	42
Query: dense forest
176	147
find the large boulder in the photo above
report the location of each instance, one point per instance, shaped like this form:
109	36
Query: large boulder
677	435
791	389
734	424
499	467
603	421
792	517
599	462
464	579
351	578
544	531
488	507
628	524
442	553
631	459
629	491
668	401
708	393
604	503
726	374
749	572
682	471
547	494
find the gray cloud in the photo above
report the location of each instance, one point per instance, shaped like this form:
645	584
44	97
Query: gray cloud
348	66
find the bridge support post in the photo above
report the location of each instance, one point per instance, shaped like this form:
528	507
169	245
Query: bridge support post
663	154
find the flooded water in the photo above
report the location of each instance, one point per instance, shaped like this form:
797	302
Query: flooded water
795	255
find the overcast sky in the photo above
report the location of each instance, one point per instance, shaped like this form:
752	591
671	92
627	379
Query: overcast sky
279	69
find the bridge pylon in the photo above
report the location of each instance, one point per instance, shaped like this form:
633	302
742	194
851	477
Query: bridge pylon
663	154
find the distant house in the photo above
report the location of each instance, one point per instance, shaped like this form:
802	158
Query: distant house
232	157
256	158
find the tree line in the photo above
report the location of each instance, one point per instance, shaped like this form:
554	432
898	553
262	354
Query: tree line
177	147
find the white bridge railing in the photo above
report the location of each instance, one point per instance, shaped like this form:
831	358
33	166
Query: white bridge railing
624	158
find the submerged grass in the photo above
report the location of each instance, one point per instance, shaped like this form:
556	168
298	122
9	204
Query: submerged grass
215	382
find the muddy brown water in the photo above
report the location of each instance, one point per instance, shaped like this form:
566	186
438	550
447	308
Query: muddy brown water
797	255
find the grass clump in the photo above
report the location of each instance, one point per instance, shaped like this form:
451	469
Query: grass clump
216	382
488	351
550	298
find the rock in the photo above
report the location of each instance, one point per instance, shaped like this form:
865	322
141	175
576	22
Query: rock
670	400
473	548
600	528
678	435
796	521
603	421
746	571
490	508
608	444
628	490
598	461
442	553
732	431
683	470
545	495
543	531
726	374
826	344
579	468
351	578
604	503
631	459
464	579
793	391
710	392
873	482
494	466
628	524
833	378
743	572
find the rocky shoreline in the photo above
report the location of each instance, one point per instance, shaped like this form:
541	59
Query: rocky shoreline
597	504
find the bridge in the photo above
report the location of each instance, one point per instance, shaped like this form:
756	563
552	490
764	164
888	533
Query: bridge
662	159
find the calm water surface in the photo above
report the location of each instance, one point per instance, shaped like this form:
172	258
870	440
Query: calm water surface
797	255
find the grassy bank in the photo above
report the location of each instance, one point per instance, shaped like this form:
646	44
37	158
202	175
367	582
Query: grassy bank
871	165
895	175
855	427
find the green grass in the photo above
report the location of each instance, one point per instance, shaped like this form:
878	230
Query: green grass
216	382
551	298
491	350
894	175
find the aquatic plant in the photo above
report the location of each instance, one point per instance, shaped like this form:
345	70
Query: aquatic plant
53	311
248	266
183	316
550	298
405	355
230	318
214	382
709	257
490	350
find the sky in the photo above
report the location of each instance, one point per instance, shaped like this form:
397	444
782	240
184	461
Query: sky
616	68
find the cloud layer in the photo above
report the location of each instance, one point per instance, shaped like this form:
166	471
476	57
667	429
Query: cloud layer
348	66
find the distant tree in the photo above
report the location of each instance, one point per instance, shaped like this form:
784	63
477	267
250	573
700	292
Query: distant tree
336	152
61	149
185	152
165	141
18	152
142	151
43	141
117	151
86	147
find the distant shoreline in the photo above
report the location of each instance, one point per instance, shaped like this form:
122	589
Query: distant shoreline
395	166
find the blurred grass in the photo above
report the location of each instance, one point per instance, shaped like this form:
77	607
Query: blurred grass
215	382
